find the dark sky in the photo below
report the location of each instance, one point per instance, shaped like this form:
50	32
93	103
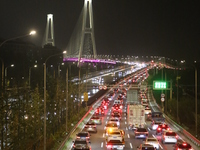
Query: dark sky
169	28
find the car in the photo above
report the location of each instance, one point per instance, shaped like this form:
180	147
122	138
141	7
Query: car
116	107
145	147
161	128
81	144
99	111
90	127
120	102
83	135
116	115
96	119
154	125
183	146
152	141
104	105
114	120
110	126
144	103
147	110
149	117
115	135
141	133
169	137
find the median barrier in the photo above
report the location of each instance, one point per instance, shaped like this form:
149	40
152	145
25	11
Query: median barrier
177	126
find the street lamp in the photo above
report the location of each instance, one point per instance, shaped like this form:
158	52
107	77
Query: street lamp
29	80
18	37
12	65
45	72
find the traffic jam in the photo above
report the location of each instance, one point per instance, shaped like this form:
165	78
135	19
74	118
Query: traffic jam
124	120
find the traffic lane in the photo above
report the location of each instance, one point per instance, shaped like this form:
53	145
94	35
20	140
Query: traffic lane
98	139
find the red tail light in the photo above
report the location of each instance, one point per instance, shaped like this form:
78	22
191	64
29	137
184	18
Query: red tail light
109	146
177	136
159	129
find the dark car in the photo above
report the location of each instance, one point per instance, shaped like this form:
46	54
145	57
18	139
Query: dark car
81	144
96	120
83	135
141	133
90	127
183	146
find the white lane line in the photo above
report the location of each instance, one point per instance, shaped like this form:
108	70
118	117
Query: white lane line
106	122
125	117
125	122
128	136
149	129
107	117
131	146
126	128
101	144
158	143
103	135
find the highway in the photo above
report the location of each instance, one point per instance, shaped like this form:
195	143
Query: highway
98	141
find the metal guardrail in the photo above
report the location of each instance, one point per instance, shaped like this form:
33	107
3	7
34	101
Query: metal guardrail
181	129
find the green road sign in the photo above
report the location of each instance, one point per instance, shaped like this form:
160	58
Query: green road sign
159	85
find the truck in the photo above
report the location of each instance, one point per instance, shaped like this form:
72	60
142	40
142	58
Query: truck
157	116
132	96
135	116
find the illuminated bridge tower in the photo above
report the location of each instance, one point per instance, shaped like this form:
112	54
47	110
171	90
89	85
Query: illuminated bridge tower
49	33
82	42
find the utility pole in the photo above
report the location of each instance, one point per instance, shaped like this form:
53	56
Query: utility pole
177	96
79	90
166	100
66	98
196	101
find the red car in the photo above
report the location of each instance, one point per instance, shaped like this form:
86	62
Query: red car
116	107
161	128
99	111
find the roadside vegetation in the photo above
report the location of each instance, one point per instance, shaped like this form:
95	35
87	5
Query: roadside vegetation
186	101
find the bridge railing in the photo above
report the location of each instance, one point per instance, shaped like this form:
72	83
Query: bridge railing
181	129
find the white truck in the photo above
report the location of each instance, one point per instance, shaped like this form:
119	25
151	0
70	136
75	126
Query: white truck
135	116
132	96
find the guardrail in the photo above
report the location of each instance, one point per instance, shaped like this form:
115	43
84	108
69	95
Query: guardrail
181	129
93	106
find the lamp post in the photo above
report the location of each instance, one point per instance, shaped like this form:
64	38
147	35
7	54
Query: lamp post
45	96
18	37
12	65
29	75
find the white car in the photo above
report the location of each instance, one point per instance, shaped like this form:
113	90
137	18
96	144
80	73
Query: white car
114	120
154	125
114	135
117	102
147	110
169	137
152	141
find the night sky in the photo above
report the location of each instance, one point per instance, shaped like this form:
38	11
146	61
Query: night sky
169	28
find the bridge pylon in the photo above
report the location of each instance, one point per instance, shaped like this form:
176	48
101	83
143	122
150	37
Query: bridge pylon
82	42
49	32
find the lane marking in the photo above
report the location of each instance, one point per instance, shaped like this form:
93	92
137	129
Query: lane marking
101	144
149	129
103	135
107	117
128	135
131	146
158	142
125	117
125	122
126	128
